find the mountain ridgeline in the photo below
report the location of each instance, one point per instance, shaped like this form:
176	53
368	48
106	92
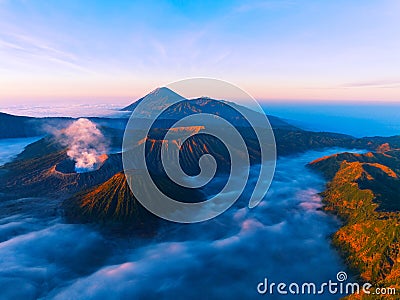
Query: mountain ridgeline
45	169
364	192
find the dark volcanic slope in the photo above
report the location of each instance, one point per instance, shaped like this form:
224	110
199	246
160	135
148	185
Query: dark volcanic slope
13	126
44	169
295	141
20	127
110	201
114	201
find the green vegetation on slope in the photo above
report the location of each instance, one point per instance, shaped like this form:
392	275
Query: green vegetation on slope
370	236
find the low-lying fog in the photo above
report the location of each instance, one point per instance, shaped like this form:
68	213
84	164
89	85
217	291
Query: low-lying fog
9	148
285	238
71	110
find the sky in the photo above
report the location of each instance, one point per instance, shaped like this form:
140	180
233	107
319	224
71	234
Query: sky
76	51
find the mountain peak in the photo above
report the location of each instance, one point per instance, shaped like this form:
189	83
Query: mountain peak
159	98
162	91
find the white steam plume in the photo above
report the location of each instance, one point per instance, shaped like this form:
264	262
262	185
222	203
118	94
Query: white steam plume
87	146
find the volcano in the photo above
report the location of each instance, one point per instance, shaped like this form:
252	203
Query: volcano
155	101
113	201
160	100
44	169
110	201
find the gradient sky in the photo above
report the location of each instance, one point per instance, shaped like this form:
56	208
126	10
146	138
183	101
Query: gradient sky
98	51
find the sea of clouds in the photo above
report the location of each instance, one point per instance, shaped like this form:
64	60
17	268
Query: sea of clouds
70	110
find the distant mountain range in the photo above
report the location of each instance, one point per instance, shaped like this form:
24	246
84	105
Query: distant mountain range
44	168
162	98
156	101
20	127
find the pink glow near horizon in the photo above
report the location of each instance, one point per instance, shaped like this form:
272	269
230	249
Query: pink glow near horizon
314	51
